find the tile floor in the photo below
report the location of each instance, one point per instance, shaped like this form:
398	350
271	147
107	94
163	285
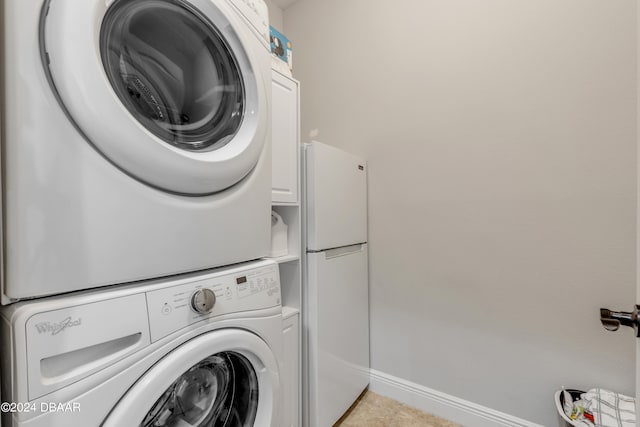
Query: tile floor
373	410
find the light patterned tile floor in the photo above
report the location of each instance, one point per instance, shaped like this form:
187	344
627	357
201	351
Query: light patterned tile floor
373	410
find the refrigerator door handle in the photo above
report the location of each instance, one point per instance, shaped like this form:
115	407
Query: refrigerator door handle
344	250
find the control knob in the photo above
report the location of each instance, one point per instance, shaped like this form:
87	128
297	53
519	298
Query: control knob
203	300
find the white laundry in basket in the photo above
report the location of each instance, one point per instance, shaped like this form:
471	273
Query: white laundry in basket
611	409
606	408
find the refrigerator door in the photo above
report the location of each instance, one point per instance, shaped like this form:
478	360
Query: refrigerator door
336	198
338	331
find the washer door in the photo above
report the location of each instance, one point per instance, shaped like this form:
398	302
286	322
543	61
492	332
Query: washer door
168	90
226	378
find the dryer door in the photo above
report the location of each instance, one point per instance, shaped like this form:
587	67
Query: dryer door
170	91
226	378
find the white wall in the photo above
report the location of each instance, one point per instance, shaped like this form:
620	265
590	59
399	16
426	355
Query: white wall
501	139
276	15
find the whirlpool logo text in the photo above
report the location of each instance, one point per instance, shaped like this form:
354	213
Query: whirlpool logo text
55	328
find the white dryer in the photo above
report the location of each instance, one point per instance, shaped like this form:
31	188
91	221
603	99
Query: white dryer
201	350
136	140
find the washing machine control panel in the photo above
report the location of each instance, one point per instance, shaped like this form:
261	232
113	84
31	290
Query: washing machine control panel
212	297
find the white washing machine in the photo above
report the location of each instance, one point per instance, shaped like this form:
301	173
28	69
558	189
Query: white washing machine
136	140
199	350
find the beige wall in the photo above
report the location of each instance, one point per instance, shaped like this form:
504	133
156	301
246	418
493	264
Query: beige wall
501	139
275	15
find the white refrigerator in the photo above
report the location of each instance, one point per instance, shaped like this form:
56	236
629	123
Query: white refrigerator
337	284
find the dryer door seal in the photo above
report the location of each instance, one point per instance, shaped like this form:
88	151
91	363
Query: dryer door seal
225	378
169	91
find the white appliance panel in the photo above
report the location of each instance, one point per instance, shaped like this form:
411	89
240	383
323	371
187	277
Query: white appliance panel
256	13
69	344
170	308
108	331
338	328
72	220
336	198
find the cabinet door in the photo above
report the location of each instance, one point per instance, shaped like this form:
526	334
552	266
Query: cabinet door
284	137
290	371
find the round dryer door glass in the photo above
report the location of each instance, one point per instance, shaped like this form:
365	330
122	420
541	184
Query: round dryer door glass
173	71
220	391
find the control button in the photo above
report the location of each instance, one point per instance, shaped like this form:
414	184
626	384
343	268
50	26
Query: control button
203	300
228	292
166	309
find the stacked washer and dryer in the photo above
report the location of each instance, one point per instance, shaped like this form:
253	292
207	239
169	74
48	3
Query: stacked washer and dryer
136	195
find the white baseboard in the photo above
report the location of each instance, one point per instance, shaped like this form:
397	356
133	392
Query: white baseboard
441	404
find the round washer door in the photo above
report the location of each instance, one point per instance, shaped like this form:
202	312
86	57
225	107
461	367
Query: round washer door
225	378
170	91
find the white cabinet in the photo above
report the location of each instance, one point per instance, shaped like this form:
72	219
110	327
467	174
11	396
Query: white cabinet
285	137
291	367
